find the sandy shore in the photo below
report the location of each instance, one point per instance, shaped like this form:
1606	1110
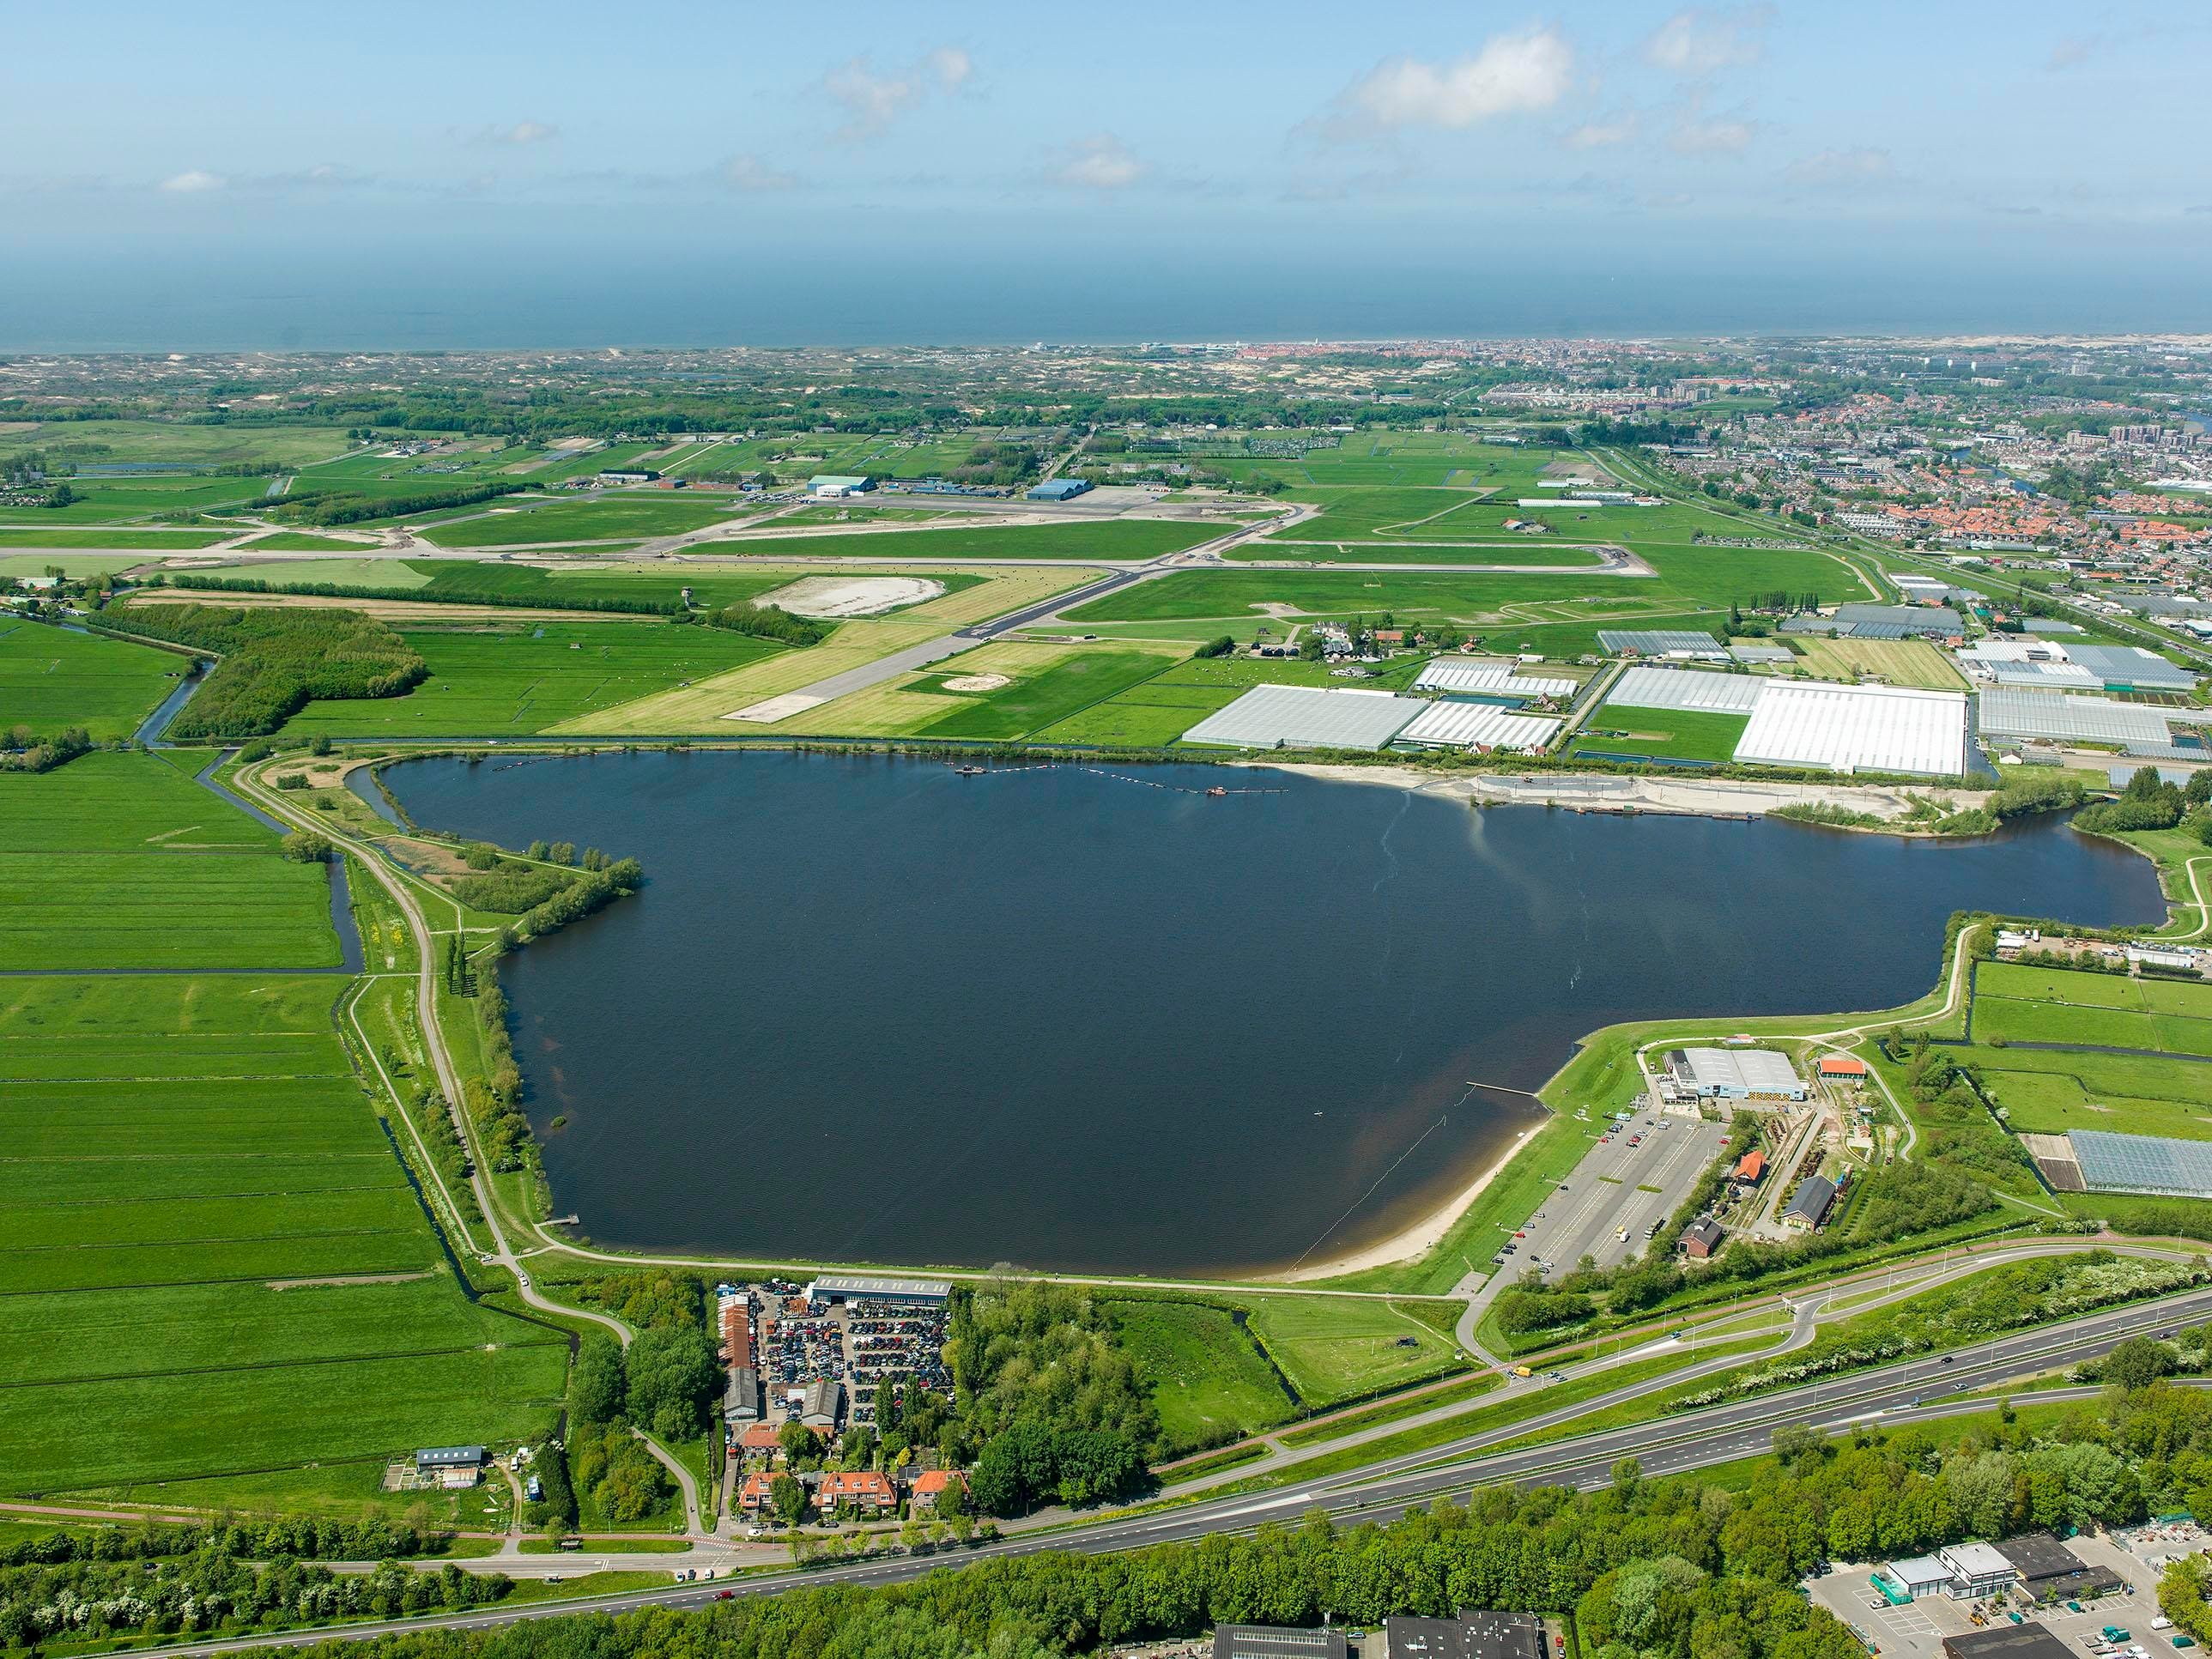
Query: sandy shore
1608	792
1422	1237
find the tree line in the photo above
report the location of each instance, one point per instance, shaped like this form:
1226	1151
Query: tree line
273	662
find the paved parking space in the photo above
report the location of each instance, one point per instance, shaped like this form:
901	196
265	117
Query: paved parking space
1605	1194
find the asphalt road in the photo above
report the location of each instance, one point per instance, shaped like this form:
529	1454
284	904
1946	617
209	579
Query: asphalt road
1671	1445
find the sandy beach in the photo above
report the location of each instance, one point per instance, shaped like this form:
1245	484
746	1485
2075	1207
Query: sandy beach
1423	1236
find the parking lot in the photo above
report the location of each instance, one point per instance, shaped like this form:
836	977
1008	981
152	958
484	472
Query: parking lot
1916	1630
1631	1177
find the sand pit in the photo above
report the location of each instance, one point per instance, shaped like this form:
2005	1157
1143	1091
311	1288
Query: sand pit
976	683
850	596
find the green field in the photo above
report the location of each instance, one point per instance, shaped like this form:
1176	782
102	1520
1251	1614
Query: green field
211	1263
1111	539
1333	1349
137	541
2018	1004
1689	578
1038	700
496	680
1208	1381
109	802
1155	712
631	514
52	678
118	860
1677	734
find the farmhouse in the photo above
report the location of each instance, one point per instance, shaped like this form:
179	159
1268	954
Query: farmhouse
450	1466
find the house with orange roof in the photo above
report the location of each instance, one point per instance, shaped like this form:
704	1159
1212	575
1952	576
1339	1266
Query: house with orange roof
755	1496
930	1486
861	1489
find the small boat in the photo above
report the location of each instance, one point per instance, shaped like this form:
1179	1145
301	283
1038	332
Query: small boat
968	771
1217	790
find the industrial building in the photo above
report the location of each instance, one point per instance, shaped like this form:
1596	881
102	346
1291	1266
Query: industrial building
1686	688
1059	489
851	1287
742	1399
1278	1641
450	1466
1481	726
833	484
2027	1641
1474	1635
1883	622
1858	728
1308	717
1977	1570
1502	679
2155	1165
2059	666
2016	716
1752	654
1735	1073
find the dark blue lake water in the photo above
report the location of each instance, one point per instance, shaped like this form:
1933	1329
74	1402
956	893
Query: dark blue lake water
868	1010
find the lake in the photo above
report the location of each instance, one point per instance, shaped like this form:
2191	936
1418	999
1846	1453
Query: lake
867	1009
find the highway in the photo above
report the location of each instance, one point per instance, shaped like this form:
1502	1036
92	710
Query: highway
1670	1445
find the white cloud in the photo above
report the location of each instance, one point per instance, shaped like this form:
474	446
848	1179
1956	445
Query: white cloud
1699	42
1512	74
1602	134
1695	133
1843	169
525	132
872	101
748	173
193	183
1101	163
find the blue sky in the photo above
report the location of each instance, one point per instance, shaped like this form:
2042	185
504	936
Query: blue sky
1878	139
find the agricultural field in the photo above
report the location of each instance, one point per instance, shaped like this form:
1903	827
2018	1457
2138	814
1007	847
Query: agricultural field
187	1156
1208	1381
2015	1003
1076	682
494	680
397	574
118	860
627	514
1126	539
1155	712
2049	1091
212	1264
1662	733
176	444
1893	662
52	678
